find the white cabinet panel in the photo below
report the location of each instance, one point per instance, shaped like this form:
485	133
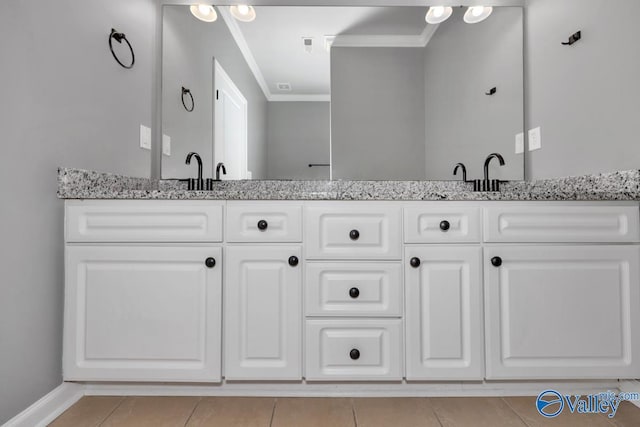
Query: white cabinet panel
354	289
551	223
143	221
263	313
353	231
444	333
442	224
366	349
562	312
264	222
142	313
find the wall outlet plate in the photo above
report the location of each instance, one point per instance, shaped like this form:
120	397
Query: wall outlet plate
166	145
145	137
520	143
535	139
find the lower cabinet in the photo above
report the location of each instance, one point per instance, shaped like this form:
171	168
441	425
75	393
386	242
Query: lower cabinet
263	313
354	349
143	313
444	331
562	312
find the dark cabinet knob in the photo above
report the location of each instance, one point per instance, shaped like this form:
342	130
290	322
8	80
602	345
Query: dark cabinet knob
354	354
445	226
262	225
293	261
210	262
415	262
354	293
354	234
496	261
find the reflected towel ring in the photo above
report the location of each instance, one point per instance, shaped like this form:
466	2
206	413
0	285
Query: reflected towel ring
492	91
193	104
119	37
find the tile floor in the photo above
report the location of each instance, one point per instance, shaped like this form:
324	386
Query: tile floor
325	412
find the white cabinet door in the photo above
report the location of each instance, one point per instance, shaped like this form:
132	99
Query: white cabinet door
142	313
562	312
444	339
263	313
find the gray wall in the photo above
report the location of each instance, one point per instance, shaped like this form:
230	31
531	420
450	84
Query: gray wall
377	130
462	62
65	102
189	47
585	97
298	134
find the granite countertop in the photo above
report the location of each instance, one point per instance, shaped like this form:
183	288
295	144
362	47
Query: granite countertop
82	184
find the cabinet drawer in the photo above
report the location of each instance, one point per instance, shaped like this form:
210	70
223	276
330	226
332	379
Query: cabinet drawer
353	232
354	289
529	223
143	221
432	224
354	350
261	222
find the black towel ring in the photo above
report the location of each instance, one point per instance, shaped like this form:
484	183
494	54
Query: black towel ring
119	37
193	104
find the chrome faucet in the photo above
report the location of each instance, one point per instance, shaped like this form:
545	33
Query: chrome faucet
199	182
218	167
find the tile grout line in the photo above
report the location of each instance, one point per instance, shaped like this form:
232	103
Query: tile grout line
122	399
435	413
273	411
514	411
353	411
192	411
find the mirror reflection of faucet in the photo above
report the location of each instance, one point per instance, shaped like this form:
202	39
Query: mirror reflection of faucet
486	184
218	167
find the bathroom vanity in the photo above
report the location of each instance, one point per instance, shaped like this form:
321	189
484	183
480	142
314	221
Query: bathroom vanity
211	291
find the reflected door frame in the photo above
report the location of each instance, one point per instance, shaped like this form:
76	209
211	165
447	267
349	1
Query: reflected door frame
222	80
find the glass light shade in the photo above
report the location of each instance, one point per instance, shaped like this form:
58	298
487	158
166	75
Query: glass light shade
438	14
476	14
204	12
243	12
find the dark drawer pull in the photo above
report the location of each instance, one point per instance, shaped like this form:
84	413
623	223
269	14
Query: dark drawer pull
354	293
496	261
445	225
354	354
354	234
293	261
262	225
210	262
415	262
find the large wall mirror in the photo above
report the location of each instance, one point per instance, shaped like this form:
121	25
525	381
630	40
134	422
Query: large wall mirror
365	93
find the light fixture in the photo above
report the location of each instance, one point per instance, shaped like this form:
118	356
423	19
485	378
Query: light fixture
477	14
438	14
204	12
243	12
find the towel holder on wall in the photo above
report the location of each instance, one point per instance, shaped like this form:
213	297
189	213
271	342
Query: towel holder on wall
119	37
186	91
573	39
492	91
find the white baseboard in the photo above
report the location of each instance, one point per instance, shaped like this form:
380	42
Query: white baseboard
630	386
49	407
65	395
298	389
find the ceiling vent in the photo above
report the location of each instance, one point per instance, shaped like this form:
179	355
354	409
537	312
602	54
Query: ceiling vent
284	87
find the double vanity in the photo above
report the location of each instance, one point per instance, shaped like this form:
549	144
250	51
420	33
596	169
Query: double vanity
168	285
